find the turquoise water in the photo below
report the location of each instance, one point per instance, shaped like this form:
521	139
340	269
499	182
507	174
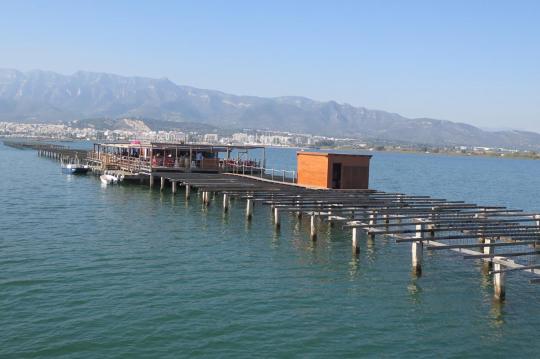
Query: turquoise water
87	272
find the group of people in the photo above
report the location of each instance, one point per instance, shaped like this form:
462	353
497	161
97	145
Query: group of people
160	160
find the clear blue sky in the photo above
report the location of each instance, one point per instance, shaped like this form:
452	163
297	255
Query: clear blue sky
469	61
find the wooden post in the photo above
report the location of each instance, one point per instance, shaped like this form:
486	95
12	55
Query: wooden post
174	187
498	282
188	191
225	202
162	186
330	219
417	249
299	212
488	249
249	209
151	181
313	227
431	227
276	218
355	242
537	217
372	221
481	215
206	198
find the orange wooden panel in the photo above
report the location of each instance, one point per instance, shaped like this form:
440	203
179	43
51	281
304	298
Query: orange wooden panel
312	169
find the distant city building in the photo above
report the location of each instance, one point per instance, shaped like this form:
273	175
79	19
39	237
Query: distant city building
211	138
240	137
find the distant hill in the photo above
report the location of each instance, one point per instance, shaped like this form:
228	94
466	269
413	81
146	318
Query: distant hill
135	124
42	96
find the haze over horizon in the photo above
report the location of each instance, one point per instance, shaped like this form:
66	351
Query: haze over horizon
470	62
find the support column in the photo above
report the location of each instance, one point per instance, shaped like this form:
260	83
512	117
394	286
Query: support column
537	217
206	198
498	282
313	227
417	249
355	241
162	186
372	221
330	219
151	181
431	227
188	191
488	249
249	209
481	215
299	212
277	220
225	202
174	187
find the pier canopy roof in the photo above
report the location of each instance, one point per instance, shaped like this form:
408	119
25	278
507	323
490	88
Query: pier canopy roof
175	145
147	157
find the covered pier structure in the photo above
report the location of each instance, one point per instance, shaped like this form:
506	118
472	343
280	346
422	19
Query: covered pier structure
149	157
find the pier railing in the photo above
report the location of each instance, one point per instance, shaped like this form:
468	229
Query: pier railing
131	164
278	175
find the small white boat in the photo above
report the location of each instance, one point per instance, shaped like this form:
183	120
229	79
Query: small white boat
108	179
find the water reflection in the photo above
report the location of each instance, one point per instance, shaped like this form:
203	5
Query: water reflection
275	240
370	248
497	313
354	266
415	291
485	277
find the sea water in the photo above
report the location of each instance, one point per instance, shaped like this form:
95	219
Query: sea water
125	271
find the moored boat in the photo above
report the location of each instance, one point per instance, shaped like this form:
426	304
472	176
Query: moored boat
75	169
108	179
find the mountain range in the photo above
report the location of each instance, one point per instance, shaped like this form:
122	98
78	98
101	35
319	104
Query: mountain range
43	96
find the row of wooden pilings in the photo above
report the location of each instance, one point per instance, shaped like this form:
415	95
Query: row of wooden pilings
417	251
417	247
60	153
50	153
207	199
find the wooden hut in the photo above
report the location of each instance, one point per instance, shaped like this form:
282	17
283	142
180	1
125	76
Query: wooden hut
333	170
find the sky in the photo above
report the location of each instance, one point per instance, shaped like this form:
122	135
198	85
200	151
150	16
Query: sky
472	61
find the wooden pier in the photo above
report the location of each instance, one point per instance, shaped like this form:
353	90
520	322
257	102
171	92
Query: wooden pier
506	240
52	151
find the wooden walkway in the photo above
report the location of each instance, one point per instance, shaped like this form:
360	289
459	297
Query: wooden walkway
56	152
506	240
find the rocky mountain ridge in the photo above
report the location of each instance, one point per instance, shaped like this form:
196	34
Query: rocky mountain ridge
44	96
